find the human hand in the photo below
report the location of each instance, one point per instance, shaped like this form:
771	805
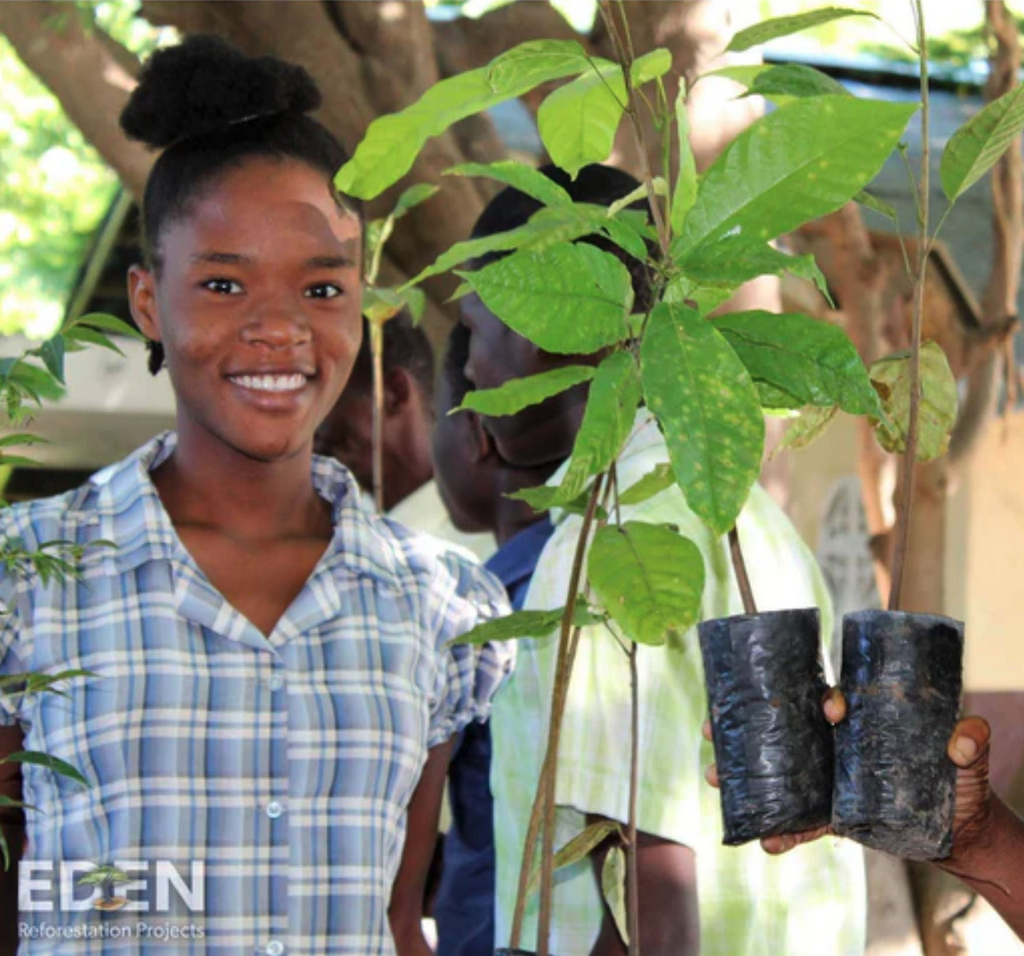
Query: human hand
968	748
834	706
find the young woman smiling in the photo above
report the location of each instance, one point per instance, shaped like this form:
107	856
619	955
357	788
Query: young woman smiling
275	692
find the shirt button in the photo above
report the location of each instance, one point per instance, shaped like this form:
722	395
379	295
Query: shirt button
275	947
275	681
274	810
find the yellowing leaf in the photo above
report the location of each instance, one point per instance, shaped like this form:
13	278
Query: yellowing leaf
708	409
938	408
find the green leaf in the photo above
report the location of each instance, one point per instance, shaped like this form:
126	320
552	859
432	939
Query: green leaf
743	73
650	66
938	408
520	393
639	194
786	26
413	197
777	400
787	81
519	176
607	422
978	145
52	354
38	381
568	299
801	161
733	260
546	227
381	304
58	766
416	300
577	122
809	427
708	409
7	441
89	336
807	358
535	62
523	624
653	483
685	193
649	578
393	141
107	323
578	848
871	201
613	889
627	228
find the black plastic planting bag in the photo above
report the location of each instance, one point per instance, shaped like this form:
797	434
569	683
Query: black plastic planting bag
773	745
895	785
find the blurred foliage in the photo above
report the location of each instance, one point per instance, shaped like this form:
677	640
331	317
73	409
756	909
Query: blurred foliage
54	187
957	30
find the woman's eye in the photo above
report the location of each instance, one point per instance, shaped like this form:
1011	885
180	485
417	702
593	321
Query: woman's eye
323	290
223	286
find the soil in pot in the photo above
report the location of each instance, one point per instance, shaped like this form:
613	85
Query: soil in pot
773	745
895	785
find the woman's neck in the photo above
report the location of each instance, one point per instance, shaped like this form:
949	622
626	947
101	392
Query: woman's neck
209	484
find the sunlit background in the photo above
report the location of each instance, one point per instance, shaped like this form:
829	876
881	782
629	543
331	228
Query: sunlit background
55	188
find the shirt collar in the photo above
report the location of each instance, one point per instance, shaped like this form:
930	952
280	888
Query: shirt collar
130	513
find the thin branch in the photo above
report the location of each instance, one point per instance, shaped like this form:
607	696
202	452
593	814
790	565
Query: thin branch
740	567
632	882
624	54
924	245
569	640
542	813
377	351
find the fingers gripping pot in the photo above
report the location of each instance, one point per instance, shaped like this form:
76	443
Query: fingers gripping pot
773	745
895	786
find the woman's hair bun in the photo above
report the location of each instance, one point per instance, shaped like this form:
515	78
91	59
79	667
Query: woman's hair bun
204	84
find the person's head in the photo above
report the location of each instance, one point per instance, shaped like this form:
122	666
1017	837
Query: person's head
540	434
465	466
347	432
250	290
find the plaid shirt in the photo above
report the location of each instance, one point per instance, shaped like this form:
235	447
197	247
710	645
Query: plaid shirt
283	765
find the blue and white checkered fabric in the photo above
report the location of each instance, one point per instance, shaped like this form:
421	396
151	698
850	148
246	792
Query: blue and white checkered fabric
283	764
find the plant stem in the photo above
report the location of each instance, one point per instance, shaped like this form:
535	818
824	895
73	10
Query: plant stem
377	350
739	565
543	812
923	248
624	52
632	881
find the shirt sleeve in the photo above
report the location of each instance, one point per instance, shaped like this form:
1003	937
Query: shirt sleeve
467	675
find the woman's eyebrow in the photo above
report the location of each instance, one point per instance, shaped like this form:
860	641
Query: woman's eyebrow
223	258
330	262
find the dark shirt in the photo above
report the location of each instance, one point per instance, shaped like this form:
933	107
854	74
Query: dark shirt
464	908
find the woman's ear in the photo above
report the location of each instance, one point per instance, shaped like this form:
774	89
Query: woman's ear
143	303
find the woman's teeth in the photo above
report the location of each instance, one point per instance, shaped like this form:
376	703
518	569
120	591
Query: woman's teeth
270	383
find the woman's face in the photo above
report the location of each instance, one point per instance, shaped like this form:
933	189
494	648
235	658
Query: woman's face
257	305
